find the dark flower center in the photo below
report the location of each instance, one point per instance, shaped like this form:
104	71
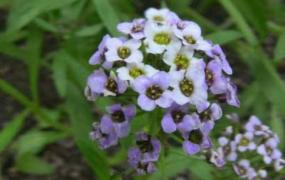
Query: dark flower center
269	150
118	64
137	28
195	136
209	77
112	85
124	52
242	170
142	166
177	116
206	115
186	87
118	116
158	18
227	149
257	128
145	145
190	39
181	62
154	92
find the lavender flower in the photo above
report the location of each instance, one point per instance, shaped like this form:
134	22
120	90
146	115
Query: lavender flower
100	83
243	169
176	118
215	79
217	53
99	56
135	28
255	126
217	158
209	114
279	164
153	91
269	151
105	138
118	119
197	138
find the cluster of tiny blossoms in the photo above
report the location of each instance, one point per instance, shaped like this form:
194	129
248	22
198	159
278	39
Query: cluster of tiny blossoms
253	153
167	64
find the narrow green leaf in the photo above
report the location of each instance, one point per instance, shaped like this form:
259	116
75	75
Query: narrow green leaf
224	37
34	141
29	163
239	20
59	69
277	125
11	129
10	90
279	52
107	14
81	121
23	12
89	30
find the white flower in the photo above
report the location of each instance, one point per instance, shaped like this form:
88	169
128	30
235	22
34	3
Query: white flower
160	38
245	141
191	35
133	70
279	164
120	50
178	59
189	86
160	16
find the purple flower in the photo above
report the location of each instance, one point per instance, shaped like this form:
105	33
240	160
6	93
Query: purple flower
228	148
91	96
100	83
217	53
255	126
99	56
197	138
245	141
269	151
209	114
214	77
243	169
230	95
176	118
217	158
141	168
105	138
135	28
119	118
153	91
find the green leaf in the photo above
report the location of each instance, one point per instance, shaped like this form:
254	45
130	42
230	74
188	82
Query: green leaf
28	163
224	37
89	30
277	125
255	13
107	14
23	12
11	129
59	69
239	20
279	52
34	141
81	121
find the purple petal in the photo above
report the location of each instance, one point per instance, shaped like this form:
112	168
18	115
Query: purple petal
96	81
190	148
129	111
106	124
162	79
168	124
145	103
164	101
122	129
141	84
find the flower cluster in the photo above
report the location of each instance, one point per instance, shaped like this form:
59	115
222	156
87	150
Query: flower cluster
256	145
166	62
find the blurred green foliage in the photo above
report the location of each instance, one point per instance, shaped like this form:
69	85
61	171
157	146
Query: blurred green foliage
60	36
